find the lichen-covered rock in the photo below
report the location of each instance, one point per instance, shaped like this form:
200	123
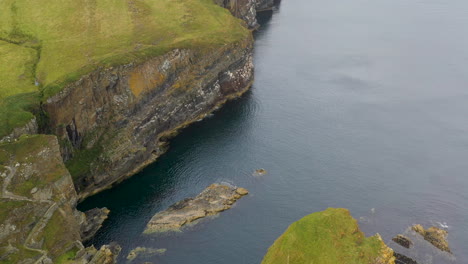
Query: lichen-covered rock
403	241
328	237
92	222
434	235
214	199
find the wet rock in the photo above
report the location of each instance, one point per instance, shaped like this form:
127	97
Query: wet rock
260	172
214	199
403	241
145	252
402	259
92	221
436	236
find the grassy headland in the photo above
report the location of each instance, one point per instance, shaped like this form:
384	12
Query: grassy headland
44	45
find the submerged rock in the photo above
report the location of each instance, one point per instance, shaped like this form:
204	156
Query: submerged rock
216	198
403	241
260	172
92	221
145	252
328	237
436	236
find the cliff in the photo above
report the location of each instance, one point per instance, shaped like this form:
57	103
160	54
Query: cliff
331	236
114	121
246	9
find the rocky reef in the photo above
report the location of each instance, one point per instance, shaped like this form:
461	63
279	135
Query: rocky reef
214	199
331	236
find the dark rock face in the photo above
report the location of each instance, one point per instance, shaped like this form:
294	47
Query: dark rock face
436	236
113	122
403	241
92	221
402	259
263	5
214	199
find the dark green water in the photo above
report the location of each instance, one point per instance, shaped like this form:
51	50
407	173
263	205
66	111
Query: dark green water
359	104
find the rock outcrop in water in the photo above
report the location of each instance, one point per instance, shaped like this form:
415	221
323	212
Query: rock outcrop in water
247	9
92	221
214	199
331	236
435	236
403	241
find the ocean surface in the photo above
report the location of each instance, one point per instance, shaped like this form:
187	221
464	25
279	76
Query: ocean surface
361	104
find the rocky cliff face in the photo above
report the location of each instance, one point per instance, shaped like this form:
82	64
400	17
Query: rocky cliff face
246	9
113	122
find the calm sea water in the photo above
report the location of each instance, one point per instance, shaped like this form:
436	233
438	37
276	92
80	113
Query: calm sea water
359	104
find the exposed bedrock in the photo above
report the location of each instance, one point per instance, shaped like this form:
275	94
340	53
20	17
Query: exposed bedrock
247	9
113	122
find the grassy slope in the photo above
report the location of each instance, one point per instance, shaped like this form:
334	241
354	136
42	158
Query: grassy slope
57	41
331	236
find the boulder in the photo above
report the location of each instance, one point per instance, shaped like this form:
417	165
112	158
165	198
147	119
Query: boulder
214	199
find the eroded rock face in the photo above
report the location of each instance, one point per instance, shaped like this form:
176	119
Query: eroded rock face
113	122
434	235
214	199
92	222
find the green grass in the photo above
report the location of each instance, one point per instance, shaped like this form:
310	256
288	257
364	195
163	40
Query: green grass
331	236
26	150
57	41
67	258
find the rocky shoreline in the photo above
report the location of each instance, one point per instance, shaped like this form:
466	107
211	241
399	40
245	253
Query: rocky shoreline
106	126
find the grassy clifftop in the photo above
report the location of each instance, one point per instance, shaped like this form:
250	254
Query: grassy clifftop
331	236
46	44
